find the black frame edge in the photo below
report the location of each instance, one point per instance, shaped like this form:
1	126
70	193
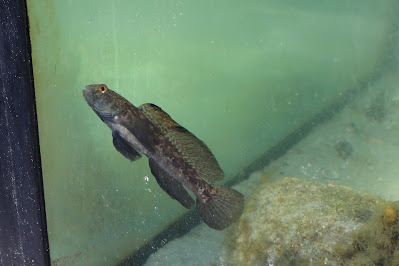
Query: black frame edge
23	228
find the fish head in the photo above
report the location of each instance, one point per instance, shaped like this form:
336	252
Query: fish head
106	103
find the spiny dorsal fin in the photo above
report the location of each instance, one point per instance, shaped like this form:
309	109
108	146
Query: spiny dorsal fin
193	150
171	186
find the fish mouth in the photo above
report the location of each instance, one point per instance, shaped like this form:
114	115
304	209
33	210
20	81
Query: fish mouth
101	108
87	95
91	101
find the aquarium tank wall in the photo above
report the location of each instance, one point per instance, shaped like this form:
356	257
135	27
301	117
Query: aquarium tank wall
241	76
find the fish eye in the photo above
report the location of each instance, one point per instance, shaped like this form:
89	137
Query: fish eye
102	89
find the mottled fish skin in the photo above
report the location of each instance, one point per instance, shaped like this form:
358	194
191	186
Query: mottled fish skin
193	150
176	155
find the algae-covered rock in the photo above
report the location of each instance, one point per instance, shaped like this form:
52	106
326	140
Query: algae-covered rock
295	221
377	242
390	215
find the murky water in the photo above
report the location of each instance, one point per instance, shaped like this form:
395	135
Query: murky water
240	75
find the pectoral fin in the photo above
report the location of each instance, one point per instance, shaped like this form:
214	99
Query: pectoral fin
124	147
171	186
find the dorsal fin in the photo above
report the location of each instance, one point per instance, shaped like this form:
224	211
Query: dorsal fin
193	150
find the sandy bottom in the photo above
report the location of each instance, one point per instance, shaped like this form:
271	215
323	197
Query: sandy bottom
359	147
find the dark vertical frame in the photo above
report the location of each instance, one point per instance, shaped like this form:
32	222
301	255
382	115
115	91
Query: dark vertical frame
23	232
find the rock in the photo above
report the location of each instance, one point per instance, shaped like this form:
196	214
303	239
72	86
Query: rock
294	222
389	216
377	242
344	149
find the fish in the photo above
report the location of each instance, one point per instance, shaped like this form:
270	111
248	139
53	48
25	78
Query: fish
179	161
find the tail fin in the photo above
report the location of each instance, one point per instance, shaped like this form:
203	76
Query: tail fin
223	208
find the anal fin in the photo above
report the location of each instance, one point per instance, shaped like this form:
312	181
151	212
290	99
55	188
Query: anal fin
171	186
124	147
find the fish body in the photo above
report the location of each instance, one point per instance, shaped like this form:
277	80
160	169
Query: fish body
178	160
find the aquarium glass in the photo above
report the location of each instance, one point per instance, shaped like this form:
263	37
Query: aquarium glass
240	75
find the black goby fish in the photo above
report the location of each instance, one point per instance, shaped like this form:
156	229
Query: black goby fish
178	160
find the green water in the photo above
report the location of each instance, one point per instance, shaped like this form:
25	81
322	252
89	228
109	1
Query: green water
239	75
